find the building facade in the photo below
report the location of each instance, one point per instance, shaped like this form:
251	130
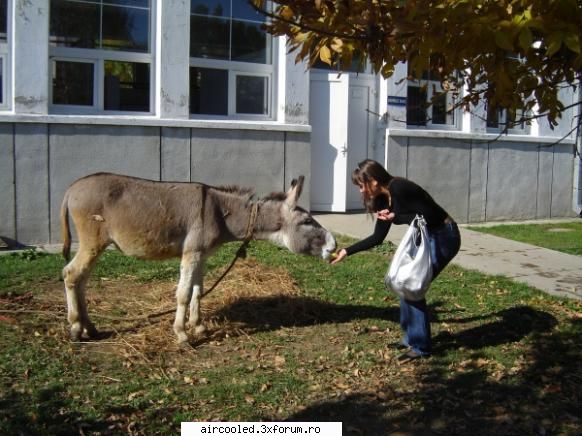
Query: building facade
197	91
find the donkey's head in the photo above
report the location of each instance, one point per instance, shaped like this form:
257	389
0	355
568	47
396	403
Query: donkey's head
297	230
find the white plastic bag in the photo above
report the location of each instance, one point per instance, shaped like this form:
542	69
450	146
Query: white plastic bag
410	272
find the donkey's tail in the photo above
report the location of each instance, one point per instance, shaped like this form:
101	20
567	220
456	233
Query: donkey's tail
65	229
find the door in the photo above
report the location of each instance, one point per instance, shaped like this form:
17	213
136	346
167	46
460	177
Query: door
328	116
360	128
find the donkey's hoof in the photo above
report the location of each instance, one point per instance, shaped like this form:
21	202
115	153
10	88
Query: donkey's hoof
75	335
91	331
182	338
197	328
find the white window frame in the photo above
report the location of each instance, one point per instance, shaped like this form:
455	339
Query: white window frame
237	68
434	87
98	58
232	76
76	108
5	56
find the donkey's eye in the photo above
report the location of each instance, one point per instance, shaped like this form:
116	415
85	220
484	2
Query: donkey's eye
307	221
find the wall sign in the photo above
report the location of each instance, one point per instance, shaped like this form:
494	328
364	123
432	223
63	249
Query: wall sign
394	100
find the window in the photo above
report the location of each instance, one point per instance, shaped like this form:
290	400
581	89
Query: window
428	104
500	120
4	54
231	71
358	65
101	55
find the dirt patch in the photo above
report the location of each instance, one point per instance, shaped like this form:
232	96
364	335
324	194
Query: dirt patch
137	317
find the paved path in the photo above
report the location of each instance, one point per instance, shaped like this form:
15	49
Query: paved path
551	271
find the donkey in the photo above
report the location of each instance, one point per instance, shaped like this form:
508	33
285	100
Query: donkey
160	220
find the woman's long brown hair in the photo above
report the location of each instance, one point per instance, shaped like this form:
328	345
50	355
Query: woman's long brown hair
367	171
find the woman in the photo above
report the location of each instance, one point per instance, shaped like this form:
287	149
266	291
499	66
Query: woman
379	190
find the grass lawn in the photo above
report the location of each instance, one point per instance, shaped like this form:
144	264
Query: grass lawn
290	338
565	237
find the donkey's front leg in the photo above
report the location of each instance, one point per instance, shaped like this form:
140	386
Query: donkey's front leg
197	289
188	265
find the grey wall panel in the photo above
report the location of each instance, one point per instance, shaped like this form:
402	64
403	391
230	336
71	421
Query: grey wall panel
512	181
77	151
298	163
244	157
478	182
544	182
7	186
175	154
32	183
442	168
397	155
562	189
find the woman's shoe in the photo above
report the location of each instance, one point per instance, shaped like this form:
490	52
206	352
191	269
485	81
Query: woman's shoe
399	345
409	356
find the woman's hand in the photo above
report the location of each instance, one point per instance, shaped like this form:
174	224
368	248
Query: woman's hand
385	215
339	256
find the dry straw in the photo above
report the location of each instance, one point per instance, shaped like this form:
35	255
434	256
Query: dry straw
136	318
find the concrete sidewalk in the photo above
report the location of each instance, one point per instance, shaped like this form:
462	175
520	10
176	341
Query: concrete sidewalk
548	270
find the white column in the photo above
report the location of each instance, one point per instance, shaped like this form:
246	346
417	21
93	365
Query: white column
172	59
30	57
296	103
475	121
396	98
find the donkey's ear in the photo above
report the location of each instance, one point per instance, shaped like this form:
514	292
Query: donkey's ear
295	191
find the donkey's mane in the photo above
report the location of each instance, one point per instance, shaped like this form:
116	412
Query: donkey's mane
236	190
275	196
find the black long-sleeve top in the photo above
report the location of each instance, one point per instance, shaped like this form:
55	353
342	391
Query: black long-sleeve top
408	199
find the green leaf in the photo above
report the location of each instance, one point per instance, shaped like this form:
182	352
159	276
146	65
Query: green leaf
572	42
525	39
503	40
554	44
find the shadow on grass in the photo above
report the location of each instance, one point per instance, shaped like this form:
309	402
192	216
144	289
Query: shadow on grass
513	325
541	395
272	313
52	415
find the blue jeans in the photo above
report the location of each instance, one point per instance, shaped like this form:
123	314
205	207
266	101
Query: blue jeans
414	317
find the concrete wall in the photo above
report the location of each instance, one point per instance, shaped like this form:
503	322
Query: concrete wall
477	181
39	161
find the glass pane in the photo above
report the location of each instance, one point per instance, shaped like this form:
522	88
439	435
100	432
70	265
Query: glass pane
74	24
215	8
249	42
126	28
127	86
492	117
439	109
208	91
244	11
416	106
252	95
209	37
136	3
73	83
358	65
3	19
1	81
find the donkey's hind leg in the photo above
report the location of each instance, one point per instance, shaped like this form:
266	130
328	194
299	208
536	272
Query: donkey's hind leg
75	276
